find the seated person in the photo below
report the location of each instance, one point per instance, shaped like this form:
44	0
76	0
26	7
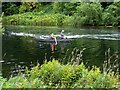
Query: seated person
52	36
62	34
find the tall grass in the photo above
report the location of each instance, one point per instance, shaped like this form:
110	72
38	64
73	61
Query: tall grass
75	57
111	62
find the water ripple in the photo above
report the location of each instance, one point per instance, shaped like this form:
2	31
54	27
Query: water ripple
91	36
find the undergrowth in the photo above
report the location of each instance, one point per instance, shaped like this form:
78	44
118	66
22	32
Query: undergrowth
74	74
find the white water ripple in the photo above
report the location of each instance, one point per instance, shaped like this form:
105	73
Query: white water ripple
92	36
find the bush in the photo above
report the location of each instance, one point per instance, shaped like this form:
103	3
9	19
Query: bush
108	19
2	81
17	82
34	19
68	21
90	13
55	75
111	14
62	14
49	73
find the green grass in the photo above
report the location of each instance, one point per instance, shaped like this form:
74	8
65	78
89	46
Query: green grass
48	19
1	30
35	19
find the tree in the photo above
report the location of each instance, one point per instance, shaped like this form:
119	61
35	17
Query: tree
29	7
58	7
90	13
10	8
70	8
111	15
67	8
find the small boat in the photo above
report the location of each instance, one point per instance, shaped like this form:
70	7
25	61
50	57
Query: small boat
52	40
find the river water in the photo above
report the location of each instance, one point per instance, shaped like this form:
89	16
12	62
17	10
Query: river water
21	46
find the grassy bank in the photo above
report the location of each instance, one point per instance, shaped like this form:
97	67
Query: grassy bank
42	19
62	13
53	74
36	19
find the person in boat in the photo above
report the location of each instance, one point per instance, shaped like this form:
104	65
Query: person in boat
54	43
52	36
62	34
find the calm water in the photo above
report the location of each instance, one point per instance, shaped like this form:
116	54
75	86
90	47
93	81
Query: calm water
20	50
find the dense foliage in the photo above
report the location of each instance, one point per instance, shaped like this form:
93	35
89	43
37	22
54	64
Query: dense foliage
62	13
55	75
1	28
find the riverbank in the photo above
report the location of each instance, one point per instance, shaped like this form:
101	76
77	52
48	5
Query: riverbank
74	14
42	19
53	74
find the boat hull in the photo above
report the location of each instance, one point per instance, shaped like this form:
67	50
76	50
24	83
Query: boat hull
58	40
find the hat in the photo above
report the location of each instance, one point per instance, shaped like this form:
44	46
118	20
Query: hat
62	30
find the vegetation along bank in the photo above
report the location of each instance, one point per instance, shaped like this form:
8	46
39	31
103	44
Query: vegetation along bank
53	74
61	13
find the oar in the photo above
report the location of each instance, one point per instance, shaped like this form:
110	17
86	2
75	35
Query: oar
55	41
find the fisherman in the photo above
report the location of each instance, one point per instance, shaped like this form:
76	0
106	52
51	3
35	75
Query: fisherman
62	34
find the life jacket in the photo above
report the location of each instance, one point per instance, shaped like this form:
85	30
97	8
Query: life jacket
62	35
52	36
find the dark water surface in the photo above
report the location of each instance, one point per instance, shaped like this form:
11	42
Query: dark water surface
28	51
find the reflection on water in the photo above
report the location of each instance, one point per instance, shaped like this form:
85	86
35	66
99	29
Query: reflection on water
54	47
25	49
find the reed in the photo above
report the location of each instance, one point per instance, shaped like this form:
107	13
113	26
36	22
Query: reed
111	62
73	58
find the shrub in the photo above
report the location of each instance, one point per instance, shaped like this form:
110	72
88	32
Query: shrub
108	19
2	81
17	82
68	21
90	13
34	19
111	15
55	75
49	73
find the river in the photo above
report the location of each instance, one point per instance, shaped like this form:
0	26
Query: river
21	46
